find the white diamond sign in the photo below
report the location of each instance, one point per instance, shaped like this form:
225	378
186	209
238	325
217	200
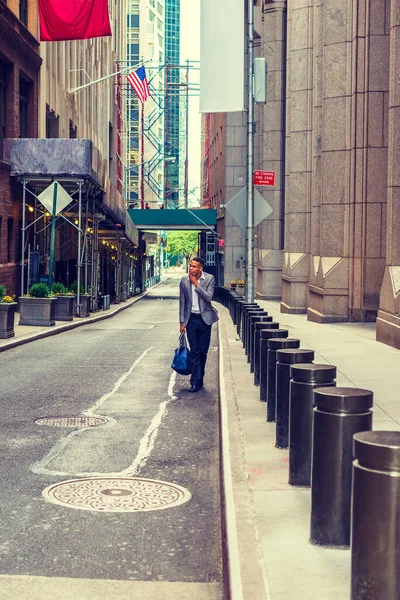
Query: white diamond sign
237	208
47	198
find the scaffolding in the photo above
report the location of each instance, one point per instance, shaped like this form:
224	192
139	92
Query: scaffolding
156	136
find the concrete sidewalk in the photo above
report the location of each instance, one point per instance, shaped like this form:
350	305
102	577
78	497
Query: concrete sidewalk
268	520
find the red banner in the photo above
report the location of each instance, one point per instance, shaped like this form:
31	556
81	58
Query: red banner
73	19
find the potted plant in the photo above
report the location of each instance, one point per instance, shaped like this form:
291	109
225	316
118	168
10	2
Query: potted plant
38	306
7	312
64	307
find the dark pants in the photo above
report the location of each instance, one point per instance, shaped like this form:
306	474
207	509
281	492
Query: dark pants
199	335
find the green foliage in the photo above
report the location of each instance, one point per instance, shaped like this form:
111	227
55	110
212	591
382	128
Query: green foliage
74	287
59	288
183	243
39	290
3	291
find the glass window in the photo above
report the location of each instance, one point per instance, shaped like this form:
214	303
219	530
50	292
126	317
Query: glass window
24	97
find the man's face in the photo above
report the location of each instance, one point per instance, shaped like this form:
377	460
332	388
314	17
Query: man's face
195	268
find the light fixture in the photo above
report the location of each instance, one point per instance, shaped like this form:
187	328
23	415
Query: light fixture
30	208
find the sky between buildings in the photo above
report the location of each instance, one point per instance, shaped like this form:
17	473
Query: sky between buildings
190	50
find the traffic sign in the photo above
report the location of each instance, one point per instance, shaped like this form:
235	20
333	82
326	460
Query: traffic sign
264	178
221	242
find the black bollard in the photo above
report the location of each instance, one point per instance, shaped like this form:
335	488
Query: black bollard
304	379
339	413
266	321
239	305
274	345
375	531
261	365
258	327
286	358
247	313
254	318
244	308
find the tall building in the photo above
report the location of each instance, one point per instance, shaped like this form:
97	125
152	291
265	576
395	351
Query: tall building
173	183
19	92
330	130
132	121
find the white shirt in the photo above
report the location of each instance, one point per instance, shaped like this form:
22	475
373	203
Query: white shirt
195	297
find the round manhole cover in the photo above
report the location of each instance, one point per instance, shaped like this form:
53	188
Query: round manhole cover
122	494
75	422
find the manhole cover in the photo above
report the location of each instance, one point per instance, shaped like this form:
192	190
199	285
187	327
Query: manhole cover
125	494
75	422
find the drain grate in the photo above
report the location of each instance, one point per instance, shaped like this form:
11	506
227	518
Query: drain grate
120	494
75	422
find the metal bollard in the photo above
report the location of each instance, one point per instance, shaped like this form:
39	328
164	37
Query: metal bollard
257	312
247	313
274	345
261	365
245	307
375	532
261	319
239	305
254	318
339	413
258	327
304	379
286	358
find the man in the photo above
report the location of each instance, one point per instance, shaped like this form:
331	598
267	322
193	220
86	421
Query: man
196	315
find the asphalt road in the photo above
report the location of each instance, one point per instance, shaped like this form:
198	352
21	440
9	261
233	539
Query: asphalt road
117	369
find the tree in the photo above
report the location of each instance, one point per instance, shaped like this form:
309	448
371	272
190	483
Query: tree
183	243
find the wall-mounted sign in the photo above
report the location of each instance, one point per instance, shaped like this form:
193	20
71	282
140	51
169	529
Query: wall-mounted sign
264	178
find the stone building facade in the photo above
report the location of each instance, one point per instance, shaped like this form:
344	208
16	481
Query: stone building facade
331	131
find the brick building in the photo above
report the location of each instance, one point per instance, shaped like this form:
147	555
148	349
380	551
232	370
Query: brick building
19	74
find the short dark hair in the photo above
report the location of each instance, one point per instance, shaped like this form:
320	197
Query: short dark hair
199	260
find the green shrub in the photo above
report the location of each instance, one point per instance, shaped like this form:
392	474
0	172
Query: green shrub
39	290
74	287
3	291
58	288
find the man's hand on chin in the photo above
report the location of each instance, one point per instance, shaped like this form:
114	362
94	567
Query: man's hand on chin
194	280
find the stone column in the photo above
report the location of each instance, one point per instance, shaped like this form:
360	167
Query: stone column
295	272
270	231
388	322
350	158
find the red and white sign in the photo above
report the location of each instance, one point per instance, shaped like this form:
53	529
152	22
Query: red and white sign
221	242
264	178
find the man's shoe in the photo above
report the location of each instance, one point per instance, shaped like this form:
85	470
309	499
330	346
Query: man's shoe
194	389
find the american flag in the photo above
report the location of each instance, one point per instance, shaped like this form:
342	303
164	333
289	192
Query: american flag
138	81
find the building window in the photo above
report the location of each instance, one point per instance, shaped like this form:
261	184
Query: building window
159	9
52	123
23	11
25	88
10	231
73	131
3	105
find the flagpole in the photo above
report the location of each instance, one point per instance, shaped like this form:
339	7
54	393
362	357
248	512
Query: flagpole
142	161
125	69
250	159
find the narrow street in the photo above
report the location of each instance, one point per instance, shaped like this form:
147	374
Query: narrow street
140	421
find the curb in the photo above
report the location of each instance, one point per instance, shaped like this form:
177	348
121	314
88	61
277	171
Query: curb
32	337
245	569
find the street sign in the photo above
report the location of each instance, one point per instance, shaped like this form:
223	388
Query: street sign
221	242
62	198
237	208
264	178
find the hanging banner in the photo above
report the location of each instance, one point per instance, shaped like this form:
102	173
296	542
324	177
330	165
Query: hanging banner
73	19
222	56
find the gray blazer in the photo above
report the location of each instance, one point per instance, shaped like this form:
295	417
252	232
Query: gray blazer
205	291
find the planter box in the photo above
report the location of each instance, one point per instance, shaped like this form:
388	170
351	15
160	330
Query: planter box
85	306
7	312
37	311
64	308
